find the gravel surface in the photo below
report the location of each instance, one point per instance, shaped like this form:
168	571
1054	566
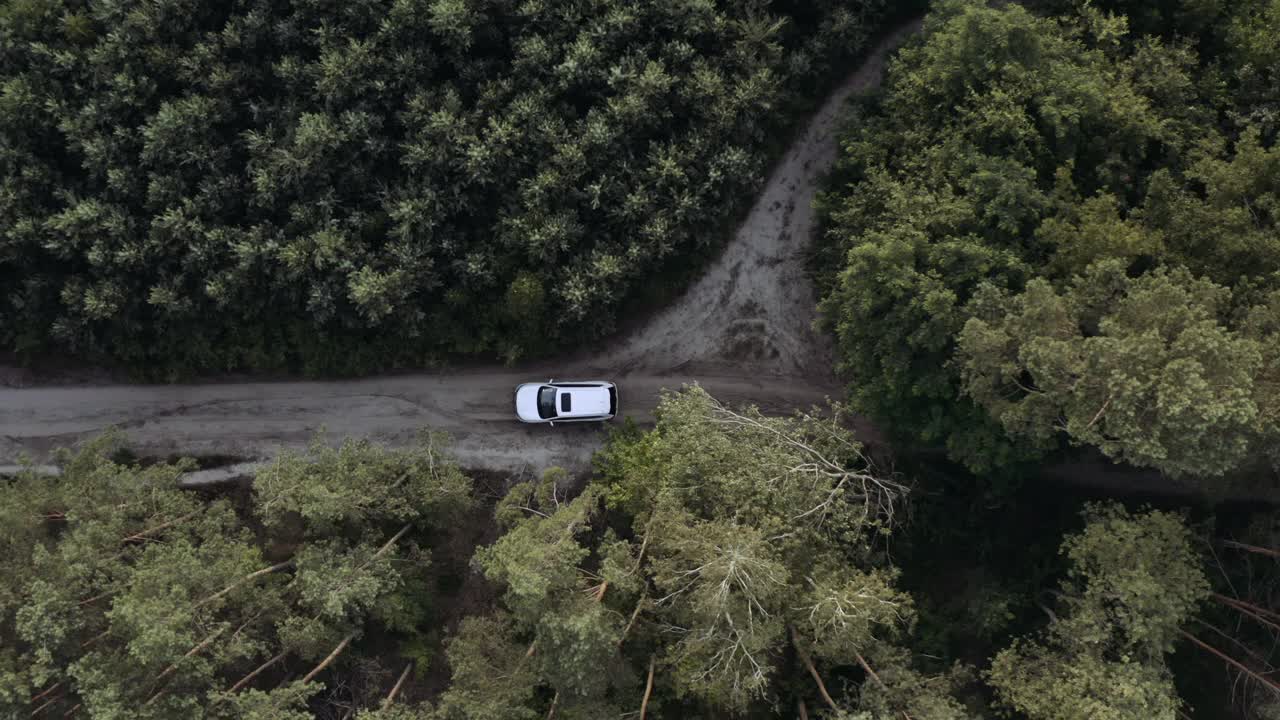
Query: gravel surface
744	331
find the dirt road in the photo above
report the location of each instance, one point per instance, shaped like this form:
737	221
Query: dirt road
743	331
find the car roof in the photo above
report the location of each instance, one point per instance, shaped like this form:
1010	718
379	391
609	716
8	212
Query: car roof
582	399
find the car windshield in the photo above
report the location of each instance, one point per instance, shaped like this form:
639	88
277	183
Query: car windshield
546	402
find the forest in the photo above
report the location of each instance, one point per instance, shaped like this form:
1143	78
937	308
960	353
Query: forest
1083	250
336	186
1053	232
721	564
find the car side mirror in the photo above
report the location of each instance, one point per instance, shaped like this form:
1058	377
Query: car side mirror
552	423
550	380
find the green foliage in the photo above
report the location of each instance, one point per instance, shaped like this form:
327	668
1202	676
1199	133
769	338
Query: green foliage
131	598
717	548
492	678
1044	684
1010	222
284	703
331	488
340	187
1133	581
1141	368
907	691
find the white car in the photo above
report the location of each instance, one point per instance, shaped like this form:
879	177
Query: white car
577	401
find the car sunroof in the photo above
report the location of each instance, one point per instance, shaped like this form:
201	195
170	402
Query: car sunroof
565	404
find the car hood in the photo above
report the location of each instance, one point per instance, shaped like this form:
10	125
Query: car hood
527	402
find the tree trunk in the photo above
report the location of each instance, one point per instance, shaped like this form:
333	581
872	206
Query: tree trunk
95	638
395	690
555	703
193	651
863	662
1244	603
632	621
804	711
804	658
1227	636
247	678
871	673
47	703
332	656
247	578
1271	684
389	544
46	692
96	598
381	551
648	690
143	534
1251	548
1251	611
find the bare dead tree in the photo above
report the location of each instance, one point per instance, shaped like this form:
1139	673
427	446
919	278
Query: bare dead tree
822	467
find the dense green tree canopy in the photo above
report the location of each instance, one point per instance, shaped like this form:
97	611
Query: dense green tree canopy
721	564
1133	582
125	597
1059	228
344	185
731	560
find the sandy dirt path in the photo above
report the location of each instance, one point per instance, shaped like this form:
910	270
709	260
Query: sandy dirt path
256	420
744	331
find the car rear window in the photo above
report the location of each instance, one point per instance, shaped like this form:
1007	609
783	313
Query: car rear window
566	405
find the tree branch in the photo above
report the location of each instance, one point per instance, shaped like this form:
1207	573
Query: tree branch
1251	548
880	683
648	690
247	578
143	534
247	678
174	666
47	703
1257	657
1271	684
1253	611
634	614
804	658
95	638
46	692
1098	416
395	690
332	656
